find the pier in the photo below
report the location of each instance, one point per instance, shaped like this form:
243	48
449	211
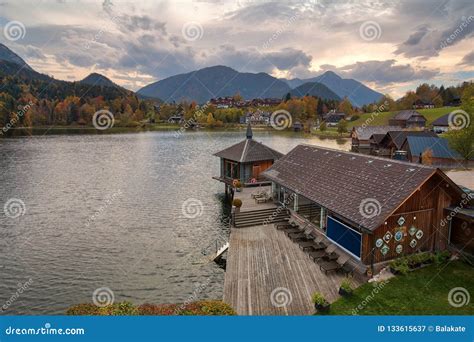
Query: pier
261	260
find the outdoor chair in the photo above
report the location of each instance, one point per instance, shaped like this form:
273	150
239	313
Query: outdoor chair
291	230
334	265
263	199
314	244
348	268
319	254
283	225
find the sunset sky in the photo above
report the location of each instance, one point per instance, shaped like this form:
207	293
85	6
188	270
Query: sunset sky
391	46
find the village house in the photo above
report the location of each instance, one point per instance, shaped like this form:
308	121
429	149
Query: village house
371	208
245	161
332	118
387	144
223	102
441	124
408	119
230	102
422	104
176	119
361	136
441	154
256	117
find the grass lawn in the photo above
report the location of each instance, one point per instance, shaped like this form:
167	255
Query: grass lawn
382	118
422	292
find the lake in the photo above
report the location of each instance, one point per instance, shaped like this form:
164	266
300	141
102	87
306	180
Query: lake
107	211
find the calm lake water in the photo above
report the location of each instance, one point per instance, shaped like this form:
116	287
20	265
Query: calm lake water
106	211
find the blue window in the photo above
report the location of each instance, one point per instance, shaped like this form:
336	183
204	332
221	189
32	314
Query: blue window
344	236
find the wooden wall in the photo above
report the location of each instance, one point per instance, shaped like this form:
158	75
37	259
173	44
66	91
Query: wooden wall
462	234
423	210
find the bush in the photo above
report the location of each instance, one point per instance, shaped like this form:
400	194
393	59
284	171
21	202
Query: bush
441	257
237	202
200	308
117	309
319	299
83	310
400	266
346	285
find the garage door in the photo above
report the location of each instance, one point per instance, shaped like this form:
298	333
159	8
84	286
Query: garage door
344	236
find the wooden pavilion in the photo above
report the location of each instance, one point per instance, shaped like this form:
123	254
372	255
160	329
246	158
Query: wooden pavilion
245	162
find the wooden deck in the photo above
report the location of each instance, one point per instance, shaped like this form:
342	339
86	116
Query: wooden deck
248	203
262	260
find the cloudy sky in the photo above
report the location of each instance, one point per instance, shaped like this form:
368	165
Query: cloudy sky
391	46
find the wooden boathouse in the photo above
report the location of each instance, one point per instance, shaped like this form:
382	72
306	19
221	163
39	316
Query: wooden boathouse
364	210
374	209
245	162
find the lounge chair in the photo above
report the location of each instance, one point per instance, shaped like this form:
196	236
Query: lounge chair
348	268
335	265
282	225
295	237
313	244
319	254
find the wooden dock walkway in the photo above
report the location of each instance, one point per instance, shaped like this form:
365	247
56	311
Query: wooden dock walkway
265	269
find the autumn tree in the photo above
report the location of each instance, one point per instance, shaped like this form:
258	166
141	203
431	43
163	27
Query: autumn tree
346	107
342	126
462	140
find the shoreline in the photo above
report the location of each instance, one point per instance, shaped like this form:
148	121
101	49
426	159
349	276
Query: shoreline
78	130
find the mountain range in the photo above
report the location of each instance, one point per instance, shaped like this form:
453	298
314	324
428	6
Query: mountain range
216	81
355	91
221	81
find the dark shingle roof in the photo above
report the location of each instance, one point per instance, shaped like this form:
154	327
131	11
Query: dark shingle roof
399	137
343	181
405	114
377	138
365	132
439	146
441	121
249	150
